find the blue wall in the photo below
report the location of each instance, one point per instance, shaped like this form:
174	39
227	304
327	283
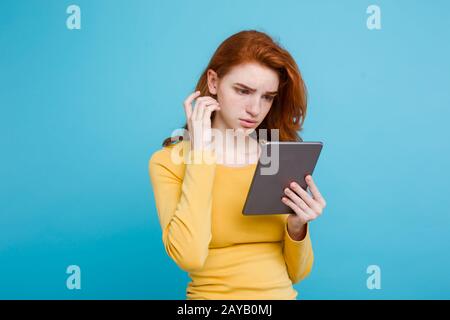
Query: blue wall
83	110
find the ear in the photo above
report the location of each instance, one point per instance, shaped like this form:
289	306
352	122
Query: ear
213	81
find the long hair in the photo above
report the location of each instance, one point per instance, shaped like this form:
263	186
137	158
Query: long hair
288	109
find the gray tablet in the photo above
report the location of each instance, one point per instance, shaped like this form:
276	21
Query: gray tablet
279	164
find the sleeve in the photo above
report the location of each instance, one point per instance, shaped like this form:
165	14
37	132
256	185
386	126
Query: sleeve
299	255
184	207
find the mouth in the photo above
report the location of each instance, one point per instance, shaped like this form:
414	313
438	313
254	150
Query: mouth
246	123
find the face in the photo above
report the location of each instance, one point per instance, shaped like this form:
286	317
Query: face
246	92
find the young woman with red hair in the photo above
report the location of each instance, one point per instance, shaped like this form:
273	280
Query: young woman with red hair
251	83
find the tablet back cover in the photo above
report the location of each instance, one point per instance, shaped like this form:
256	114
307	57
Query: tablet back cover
274	173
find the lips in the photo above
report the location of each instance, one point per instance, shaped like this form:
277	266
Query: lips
248	120
247	123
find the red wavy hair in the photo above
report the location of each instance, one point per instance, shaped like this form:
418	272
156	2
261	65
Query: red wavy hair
288	110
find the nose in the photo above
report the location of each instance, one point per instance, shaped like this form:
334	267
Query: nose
253	107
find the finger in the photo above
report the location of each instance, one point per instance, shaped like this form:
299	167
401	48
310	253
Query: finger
188	104
208	110
201	103
299	212
314	190
195	112
299	201
198	106
201	109
206	98
198	111
312	203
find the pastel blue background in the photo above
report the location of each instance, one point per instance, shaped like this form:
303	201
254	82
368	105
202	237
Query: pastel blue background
83	110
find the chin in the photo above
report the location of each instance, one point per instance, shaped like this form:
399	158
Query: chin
244	131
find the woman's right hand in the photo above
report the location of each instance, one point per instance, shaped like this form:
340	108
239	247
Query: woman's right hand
199	120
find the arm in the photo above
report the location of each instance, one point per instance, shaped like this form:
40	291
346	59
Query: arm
298	255
184	208
297	250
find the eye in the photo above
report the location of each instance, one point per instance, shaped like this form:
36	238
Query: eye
269	98
242	91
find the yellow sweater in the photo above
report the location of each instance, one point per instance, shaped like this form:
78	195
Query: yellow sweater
227	255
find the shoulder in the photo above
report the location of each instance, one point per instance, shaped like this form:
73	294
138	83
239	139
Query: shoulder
168	159
165	155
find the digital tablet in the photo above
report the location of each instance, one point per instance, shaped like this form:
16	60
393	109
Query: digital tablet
279	164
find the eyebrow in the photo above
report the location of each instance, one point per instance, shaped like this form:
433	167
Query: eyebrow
253	90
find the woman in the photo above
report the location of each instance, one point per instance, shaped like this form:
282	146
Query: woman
251	83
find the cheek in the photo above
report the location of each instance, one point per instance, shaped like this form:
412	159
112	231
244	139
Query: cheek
231	102
266	109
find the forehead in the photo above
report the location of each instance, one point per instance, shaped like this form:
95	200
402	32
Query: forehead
253	75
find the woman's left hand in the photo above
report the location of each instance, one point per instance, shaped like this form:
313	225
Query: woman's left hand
305	206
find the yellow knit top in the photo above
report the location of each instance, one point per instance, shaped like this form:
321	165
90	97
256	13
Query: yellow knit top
227	255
